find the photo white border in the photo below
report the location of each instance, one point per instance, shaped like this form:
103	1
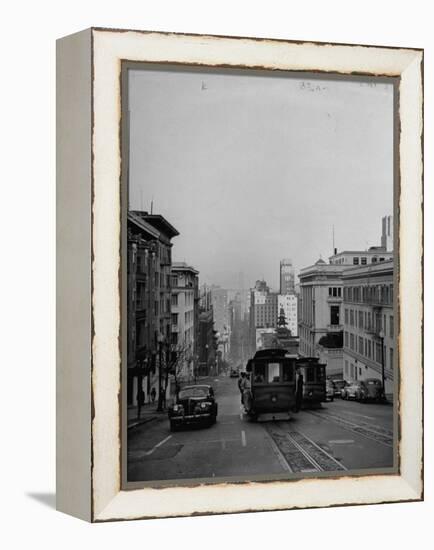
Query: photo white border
109	47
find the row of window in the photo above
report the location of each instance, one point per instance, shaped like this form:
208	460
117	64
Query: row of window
188	300
335	291
142	256
368	348
188	317
372	294
370	321
361	260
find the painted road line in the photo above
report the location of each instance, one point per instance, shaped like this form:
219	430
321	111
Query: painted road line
384	437
374	428
341	441
243	438
158	445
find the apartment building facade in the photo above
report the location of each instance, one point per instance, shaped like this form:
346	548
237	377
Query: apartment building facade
185	318
369	323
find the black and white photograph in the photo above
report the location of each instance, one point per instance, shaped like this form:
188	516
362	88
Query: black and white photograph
259	312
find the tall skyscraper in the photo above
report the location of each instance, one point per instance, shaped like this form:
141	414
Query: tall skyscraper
387	233
286	277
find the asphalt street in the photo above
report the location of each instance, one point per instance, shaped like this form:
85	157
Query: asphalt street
339	436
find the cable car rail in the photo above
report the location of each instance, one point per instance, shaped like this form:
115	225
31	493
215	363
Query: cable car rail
301	453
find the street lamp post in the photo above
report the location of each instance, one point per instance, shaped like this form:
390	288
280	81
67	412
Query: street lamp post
383	385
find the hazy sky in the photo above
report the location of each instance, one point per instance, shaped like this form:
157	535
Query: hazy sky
253	169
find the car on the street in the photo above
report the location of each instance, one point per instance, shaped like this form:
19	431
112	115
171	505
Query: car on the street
234	373
370	389
339	386
354	390
373	389
330	390
194	404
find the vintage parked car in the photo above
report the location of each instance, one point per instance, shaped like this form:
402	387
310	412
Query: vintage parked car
330	390
194	405
370	389
354	390
234	373
373	390
339	386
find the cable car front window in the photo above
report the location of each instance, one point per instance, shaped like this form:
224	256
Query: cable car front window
273	372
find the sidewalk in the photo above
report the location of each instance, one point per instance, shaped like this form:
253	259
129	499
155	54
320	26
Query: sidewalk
148	413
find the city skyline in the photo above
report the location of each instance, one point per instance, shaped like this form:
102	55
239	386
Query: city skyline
243	189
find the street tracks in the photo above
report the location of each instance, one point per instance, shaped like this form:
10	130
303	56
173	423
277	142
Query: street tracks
370	431
300	453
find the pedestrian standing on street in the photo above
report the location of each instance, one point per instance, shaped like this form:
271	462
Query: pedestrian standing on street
240	381
245	394
298	389
153	395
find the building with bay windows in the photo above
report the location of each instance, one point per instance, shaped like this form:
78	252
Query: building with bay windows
369	323
149	259
185	319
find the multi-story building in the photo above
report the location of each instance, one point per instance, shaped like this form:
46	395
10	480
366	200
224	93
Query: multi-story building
288	303
263	311
320	322
374	254
369	327
185	315
220	305
207	341
148	299
387	232
287	280
263	306
205	298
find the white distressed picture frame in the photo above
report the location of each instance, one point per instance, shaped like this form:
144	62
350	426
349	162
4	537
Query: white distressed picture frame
88	274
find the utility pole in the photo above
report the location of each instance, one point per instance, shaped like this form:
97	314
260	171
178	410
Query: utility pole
160	360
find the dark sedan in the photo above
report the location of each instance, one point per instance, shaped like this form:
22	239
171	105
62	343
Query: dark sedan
373	390
194	405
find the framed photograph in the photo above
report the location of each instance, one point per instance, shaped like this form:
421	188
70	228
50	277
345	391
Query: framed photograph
239	260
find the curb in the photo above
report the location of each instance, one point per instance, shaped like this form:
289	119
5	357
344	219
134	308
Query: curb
141	421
